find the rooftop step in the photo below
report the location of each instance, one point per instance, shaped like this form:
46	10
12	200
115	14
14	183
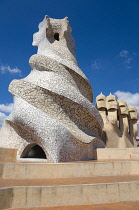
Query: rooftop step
70	169
109	206
135	156
37	185
70	193
115	153
67	181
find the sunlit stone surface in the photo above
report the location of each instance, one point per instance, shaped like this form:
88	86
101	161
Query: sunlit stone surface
53	104
120	122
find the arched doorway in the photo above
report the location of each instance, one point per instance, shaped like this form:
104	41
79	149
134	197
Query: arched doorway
33	151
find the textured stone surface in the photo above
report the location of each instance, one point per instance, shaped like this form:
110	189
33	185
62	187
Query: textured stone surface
53	104
120	122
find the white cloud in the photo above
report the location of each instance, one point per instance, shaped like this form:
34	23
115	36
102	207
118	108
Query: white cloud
6	107
124	53
2	117
7	68
135	54
132	99
128	60
96	64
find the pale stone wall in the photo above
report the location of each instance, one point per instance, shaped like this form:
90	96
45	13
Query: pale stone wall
68	195
120	122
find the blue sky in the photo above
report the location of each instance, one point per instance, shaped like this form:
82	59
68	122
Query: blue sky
106	34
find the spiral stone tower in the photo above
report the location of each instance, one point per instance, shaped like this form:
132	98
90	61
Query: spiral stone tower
53	104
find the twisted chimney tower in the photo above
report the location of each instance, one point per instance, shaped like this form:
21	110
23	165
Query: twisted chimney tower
53	104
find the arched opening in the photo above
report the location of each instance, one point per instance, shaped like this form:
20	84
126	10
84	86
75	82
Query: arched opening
56	36
33	151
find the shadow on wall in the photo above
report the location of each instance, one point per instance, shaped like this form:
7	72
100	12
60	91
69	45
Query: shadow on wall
33	151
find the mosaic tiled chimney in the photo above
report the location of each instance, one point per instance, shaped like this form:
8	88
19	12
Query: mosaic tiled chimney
120	122
53	104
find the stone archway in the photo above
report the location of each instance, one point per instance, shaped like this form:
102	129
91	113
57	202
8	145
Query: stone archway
33	151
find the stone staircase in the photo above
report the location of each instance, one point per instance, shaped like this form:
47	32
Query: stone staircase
72	185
